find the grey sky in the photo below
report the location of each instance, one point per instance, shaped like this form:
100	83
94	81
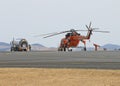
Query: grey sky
26	18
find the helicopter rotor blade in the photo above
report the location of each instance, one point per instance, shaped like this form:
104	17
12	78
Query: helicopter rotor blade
90	25
102	31
72	30
45	34
56	34
87	27
50	35
81	30
95	30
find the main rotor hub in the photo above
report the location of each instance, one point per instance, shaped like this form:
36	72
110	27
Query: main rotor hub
72	30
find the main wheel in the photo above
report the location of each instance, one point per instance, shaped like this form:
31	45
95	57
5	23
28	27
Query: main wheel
64	48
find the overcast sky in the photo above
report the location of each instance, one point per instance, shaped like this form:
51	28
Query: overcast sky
27	18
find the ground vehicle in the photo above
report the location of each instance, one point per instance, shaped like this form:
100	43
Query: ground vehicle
96	46
20	45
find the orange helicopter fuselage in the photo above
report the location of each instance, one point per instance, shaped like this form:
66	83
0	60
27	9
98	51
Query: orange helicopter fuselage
73	39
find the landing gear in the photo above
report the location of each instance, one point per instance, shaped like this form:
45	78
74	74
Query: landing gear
85	49
69	49
64	49
61	49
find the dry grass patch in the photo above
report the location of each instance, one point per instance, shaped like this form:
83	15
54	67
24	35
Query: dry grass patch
58	77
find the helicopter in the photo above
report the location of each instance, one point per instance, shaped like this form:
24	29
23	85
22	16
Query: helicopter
73	38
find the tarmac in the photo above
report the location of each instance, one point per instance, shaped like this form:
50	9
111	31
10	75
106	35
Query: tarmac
55	59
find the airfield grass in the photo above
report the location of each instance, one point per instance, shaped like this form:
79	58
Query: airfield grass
58	77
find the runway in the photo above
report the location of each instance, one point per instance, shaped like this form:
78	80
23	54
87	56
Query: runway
54	59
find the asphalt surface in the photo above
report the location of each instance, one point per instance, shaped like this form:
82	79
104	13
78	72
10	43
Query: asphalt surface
47	59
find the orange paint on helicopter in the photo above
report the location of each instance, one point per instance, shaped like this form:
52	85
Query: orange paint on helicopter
74	41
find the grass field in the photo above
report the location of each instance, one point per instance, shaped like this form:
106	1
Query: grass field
58	77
